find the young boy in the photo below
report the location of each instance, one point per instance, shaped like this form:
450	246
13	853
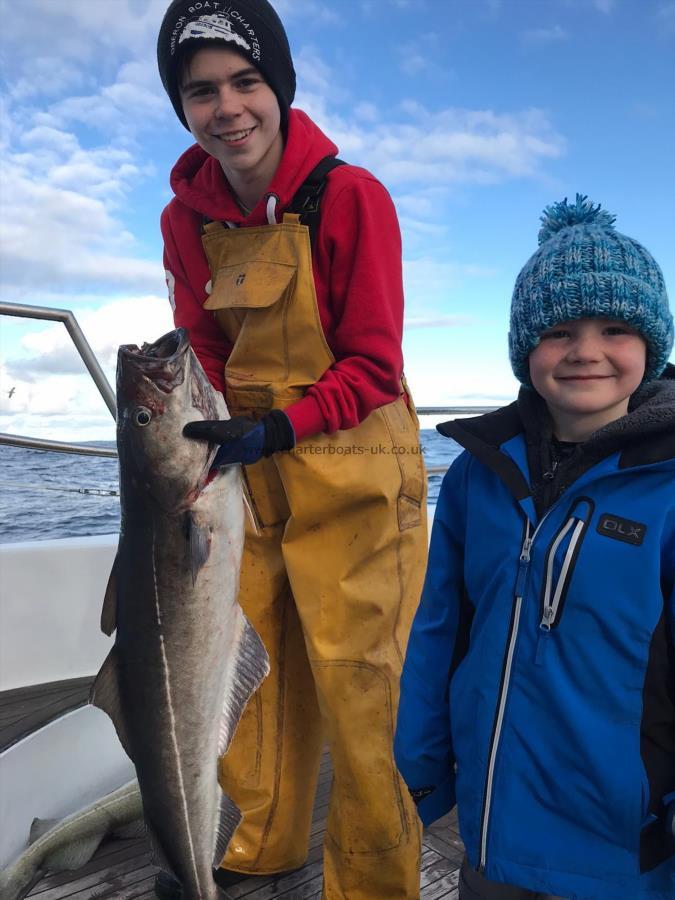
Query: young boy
538	691
285	267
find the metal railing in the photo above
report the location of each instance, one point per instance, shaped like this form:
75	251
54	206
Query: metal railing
47	313
108	395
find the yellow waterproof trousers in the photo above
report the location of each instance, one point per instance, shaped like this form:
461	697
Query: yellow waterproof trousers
330	579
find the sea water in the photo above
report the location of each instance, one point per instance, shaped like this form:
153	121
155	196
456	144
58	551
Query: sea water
44	494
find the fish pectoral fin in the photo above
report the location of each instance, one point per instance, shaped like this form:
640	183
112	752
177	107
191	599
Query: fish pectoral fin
200	546
109	611
250	665
228	820
105	693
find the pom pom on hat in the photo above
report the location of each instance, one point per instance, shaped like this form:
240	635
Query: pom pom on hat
585	268
564	215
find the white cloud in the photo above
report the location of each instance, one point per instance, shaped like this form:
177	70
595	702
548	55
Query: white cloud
135	101
79	31
49	76
62	232
59	224
450	146
604	6
128	321
366	112
53	394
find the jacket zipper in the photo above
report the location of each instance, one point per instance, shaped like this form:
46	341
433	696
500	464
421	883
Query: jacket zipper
521	579
523	566
551	603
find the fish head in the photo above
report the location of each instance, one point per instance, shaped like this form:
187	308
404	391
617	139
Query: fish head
160	388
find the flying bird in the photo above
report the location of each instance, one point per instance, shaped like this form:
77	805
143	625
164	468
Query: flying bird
10	392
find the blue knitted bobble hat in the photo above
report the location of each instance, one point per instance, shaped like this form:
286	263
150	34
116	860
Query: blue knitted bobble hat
584	268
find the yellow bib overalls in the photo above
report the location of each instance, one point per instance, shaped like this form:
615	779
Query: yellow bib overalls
330	581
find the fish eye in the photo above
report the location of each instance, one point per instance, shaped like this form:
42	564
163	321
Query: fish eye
142	416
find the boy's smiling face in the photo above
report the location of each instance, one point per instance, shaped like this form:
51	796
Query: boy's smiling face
586	371
233	114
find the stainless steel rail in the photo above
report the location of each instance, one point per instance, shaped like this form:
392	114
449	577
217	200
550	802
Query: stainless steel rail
454	410
18	440
88	358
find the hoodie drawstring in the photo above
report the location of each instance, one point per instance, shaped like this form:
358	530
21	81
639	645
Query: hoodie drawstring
271	209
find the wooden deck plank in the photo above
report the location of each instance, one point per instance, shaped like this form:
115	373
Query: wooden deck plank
24	710
111	852
275	886
123	869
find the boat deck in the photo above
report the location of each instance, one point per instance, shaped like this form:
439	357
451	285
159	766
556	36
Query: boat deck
123	869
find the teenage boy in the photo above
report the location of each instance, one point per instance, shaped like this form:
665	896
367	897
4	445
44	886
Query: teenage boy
538	692
300	326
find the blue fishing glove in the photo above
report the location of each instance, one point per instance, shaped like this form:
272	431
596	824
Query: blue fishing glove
243	440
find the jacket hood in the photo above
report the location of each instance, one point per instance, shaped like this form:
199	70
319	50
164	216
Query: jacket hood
199	182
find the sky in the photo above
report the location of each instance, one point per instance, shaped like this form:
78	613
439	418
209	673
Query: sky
475	114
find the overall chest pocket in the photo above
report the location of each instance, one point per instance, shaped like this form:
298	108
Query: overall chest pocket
251	303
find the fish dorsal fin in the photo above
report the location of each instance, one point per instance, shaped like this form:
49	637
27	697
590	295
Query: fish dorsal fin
109	611
105	694
250	664
38	827
200	546
228	819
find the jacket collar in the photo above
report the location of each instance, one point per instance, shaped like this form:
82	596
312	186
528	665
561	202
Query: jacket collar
646	435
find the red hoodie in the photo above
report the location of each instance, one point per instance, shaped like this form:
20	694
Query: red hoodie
356	260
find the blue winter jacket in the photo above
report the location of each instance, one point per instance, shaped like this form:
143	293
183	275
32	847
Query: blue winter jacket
538	691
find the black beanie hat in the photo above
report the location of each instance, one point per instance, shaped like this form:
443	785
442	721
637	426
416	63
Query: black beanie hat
251	27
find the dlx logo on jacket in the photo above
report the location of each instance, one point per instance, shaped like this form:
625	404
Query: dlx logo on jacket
621	529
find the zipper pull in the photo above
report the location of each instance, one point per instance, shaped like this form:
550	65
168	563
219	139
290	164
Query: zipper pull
549	476
523	563
547	618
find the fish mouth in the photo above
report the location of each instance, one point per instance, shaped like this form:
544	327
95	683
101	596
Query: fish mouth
161	361
168	347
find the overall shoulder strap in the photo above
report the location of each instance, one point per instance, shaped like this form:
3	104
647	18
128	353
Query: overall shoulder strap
307	198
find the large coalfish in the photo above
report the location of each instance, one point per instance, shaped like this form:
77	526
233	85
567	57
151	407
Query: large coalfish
185	659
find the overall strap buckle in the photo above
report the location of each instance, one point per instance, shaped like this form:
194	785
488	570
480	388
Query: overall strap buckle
307	198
